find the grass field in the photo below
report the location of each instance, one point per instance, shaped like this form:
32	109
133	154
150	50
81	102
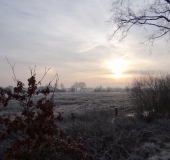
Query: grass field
91	116
76	102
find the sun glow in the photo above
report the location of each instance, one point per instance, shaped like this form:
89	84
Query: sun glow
118	66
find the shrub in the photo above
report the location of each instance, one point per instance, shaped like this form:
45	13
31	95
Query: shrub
151	93
128	138
34	133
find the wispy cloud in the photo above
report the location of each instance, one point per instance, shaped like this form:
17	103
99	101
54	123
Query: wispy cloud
69	36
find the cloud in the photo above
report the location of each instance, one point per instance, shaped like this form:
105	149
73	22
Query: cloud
71	37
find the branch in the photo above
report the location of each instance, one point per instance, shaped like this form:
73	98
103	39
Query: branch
168	1
52	79
153	13
46	71
145	19
52	97
151	18
152	24
164	33
31	70
12	67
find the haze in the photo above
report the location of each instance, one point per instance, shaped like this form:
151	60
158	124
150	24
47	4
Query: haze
71	37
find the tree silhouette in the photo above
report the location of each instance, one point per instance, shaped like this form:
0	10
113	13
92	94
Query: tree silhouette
62	86
81	85
75	86
153	15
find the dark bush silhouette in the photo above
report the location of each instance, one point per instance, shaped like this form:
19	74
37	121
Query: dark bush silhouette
151	93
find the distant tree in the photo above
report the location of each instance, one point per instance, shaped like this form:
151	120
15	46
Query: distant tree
81	85
78	85
117	89
9	88
72	89
57	87
41	87
62	88
109	89
153	15
75	86
99	89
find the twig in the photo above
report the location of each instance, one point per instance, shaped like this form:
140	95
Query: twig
12	67
57	79
31	70
44	75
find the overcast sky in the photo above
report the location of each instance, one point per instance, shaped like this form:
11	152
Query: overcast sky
71	37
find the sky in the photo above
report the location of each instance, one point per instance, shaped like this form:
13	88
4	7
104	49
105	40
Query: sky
71	38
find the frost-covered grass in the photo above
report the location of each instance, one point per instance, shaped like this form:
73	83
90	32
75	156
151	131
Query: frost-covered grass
128	138
75	102
91	116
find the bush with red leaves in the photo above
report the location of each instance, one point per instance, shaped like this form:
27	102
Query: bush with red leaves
35	134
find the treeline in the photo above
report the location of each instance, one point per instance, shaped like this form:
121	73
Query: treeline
76	87
59	88
108	89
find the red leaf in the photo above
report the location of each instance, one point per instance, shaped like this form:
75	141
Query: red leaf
62	133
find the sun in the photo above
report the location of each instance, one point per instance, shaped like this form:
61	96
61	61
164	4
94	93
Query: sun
118	66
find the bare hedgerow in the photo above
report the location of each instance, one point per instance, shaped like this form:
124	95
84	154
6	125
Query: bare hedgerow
34	134
151	93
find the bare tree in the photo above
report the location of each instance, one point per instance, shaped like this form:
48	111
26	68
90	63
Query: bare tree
76	85
72	89
153	15
109	89
62	86
81	85
99	89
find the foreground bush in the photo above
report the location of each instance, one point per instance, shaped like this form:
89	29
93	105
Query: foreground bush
151	93
34	133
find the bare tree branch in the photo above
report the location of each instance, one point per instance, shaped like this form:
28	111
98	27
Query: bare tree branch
155	14
12	67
